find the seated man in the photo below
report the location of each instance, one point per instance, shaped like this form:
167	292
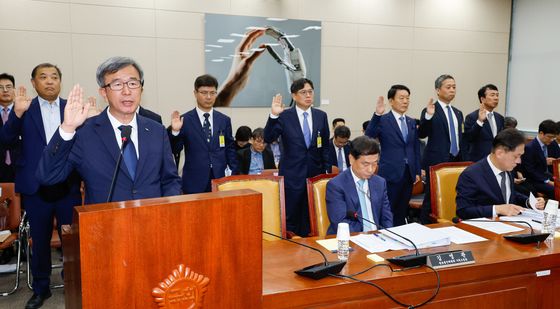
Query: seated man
242	138
339	148
254	159
485	189
535	160
359	190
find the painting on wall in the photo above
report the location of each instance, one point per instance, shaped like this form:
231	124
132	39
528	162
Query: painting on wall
255	58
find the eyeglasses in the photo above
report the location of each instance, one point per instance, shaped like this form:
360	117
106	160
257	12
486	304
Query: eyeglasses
306	92
208	93
6	88
119	85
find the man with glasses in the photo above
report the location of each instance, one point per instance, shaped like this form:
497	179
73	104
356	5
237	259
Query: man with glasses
305	133
93	147
8	152
206	136
33	123
257	157
535	160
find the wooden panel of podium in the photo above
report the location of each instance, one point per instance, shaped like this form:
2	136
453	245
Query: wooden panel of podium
127	254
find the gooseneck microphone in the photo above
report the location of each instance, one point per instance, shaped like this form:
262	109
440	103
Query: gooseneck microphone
125	137
316	271
519	238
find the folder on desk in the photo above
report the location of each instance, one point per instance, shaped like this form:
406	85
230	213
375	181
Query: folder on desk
420	235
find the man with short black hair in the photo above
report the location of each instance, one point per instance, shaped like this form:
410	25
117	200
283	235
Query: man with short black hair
359	190
8	152
483	124
338	122
257	157
486	188
536	160
242	138
339	148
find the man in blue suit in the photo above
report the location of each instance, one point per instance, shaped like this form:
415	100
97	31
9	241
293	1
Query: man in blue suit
33	123
359	190
536	159
482	125
92	147
206	136
400	159
442	124
305	134
486	188
339	148
8	152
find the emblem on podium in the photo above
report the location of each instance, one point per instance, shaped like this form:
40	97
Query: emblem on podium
182	289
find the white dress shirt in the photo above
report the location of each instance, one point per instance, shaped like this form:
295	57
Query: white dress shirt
497	172
50	113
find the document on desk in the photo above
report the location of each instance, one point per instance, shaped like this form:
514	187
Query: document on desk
458	236
535	224
493	226
379	243
422	236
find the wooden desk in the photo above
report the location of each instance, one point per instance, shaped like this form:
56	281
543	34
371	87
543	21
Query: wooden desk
504	276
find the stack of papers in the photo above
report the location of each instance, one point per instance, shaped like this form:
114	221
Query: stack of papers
492	226
458	236
421	236
376	243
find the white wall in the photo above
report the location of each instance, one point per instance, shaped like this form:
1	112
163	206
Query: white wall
368	45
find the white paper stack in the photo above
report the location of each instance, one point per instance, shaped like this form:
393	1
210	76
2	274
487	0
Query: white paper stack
420	235
493	226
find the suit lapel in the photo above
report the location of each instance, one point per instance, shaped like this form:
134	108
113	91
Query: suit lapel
295	119
395	126
106	134
315	126
143	138
492	182
35	115
195	125
373	196
442	115
352	190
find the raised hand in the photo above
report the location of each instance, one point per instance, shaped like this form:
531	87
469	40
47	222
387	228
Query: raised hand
431	107
176	121
481	113
277	106
22	101
76	111
380	106
93	111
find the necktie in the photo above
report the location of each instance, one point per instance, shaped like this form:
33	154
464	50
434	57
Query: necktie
306	130
5	115
503	186
339	160
545	151
129	156
207	128
492	124
454	149
363	206
404	129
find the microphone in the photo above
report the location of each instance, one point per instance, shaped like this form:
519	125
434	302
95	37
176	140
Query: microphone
125	137
316	271
409	260
519	238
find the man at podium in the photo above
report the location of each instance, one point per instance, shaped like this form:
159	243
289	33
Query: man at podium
94	147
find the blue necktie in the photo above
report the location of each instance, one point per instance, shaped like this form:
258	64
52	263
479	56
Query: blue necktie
129	156
206	128
404	129
363	205
454	149
339	160
545	151
306	130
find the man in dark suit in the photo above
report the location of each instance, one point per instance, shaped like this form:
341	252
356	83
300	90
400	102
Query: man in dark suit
34	122
8	152
554	147
442	124
92	147
482	125
400	158
206	136
339	148
486	189
536	160
359	190
257	157
305	132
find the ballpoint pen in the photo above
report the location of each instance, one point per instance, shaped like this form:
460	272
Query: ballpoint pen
377	235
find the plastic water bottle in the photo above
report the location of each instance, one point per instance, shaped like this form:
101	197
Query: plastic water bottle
343	239
550	214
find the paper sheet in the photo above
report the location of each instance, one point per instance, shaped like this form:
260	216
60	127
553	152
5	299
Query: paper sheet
379	243
420	235
330	244
492	226
459	236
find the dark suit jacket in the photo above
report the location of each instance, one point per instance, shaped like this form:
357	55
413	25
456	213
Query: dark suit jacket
7	172
554	150
479	139
200	155
333	154
395	150
478	190
244	159
533	163
298	162
437	131
94	151
33	140
342	196
149	114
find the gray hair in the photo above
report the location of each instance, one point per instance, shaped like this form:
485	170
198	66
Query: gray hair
114	64
441	78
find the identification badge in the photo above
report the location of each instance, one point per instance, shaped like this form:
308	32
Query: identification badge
319	140
222	140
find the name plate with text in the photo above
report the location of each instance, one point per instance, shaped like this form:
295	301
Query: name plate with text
450	259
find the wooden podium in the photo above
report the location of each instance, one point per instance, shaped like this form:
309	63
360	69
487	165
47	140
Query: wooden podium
127	254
